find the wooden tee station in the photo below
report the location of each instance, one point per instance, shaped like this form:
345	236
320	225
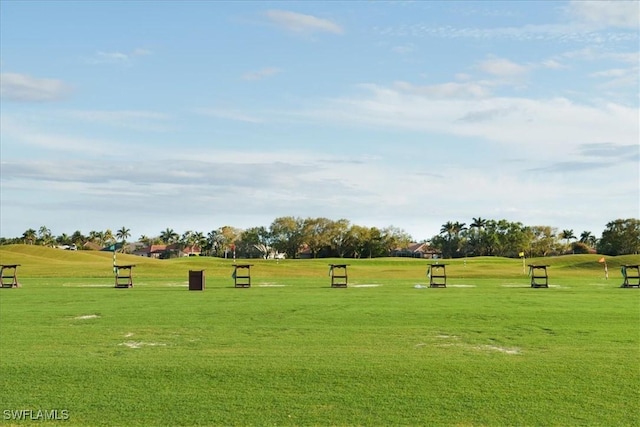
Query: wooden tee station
242	275
437	275
539	276
631	275
339	277
9	279
124	275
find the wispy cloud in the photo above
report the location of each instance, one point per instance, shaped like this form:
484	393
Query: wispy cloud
618	77
25	88
301	23
445	90
17	132
132	119
602	14
116	57
261	74
228	114
594	156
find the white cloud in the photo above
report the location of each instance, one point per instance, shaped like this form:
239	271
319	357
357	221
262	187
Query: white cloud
545	128
602	14
300	23
261	74
501	67
116	57
22	87
552	64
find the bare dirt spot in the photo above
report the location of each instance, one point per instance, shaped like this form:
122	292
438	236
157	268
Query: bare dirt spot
87	316
365	285
499	349
271	285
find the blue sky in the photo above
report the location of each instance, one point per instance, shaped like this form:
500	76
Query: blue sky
193	115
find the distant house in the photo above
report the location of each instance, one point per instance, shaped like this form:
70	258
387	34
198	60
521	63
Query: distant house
91	246
167	251
416	250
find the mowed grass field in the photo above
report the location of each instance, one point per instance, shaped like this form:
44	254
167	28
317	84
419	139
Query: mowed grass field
486	351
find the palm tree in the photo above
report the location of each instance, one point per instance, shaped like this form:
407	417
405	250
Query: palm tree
97	237
44	234
107	236
476	233
588	238
199	240
29	236
448	228
122	235
478	223
567	235
169	236
458	227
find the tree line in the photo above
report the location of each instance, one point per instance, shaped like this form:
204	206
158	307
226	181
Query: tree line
323	237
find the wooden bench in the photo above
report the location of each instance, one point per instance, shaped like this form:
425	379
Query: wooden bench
11	273
539	276
631	275
124	279
338	280
437	275
242	280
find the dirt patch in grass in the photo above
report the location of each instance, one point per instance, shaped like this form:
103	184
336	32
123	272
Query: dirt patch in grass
140	344
87	316
505	350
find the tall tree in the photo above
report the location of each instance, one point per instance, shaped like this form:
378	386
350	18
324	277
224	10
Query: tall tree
78	239
168	236
44	236
255	241
567	235
315	234
478	223
108	236
29	236
123	234
620	237
588	239
339	237
286	233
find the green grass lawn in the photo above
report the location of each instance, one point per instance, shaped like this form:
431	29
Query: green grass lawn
487	350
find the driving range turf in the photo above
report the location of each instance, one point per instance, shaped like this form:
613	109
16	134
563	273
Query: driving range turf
488	350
